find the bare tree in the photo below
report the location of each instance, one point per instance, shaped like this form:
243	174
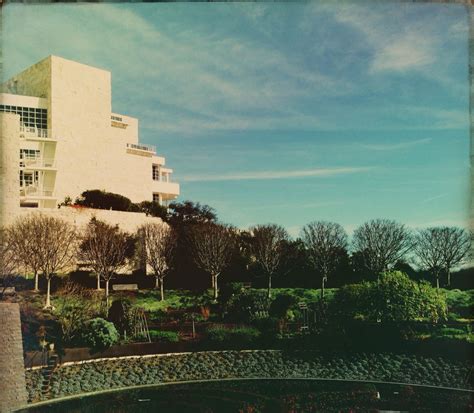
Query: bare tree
159	245
268	242
428	249
442	248
324	242
456	244
105	248
57	246
24	235
212	247
8	261
381	243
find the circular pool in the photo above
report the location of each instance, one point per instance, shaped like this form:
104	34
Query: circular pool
263	395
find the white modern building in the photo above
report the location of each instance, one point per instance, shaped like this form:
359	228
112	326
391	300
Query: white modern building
60	137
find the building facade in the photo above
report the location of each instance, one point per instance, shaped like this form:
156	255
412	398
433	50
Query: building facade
59	138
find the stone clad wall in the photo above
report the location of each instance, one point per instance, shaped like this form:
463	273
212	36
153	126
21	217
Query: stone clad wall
80	217
12	372
9	182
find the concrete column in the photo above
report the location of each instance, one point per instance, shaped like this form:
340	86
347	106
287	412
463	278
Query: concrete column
9	167
13	393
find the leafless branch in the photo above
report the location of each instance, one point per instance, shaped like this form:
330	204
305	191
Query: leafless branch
382	243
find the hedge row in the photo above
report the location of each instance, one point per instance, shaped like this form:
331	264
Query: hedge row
114	373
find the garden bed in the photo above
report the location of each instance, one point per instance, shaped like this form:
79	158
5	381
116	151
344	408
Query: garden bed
264	396
156	369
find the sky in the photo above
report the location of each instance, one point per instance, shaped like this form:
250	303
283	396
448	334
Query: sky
282	112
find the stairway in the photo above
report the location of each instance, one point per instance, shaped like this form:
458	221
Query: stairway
47	373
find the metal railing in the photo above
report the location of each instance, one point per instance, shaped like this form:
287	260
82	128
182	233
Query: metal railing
142	147
34	131
37	162
162	179
34	191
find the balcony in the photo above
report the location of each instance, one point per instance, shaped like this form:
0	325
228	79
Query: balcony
141	149
170	190
38	163
33	192
31	133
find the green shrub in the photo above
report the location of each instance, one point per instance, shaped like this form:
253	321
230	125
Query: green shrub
449	331
281	305
99	334
460	302
120	315
244	335
153	208
454	334
98	199
235	336
394	297
165	336
218	334
351	301
247	306
230	290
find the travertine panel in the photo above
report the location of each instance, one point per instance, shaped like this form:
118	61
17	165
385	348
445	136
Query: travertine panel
9	183
12	371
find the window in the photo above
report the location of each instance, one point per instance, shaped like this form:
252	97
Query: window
156	173
31	117
28	154
28	178
156	198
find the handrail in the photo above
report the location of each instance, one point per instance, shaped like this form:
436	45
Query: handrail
33	130
33	190
39	161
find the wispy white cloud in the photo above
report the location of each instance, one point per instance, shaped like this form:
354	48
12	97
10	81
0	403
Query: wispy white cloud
186	80
409	52
395	146
442	221
404	38
265	175
433	198
308	205
396	44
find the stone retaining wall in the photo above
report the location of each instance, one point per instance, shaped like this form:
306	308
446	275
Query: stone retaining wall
105	374
12	374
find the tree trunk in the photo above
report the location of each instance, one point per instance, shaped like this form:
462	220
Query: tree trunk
448	272
36	281
325	278
48	294
162	290
107	292
269	291
214	283
98	282
437	281
157	282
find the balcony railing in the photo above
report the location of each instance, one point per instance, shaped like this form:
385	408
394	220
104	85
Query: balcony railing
161	178
35	192
33	162
34	132
142	147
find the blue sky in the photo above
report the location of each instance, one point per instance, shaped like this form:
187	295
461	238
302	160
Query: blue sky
282	112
